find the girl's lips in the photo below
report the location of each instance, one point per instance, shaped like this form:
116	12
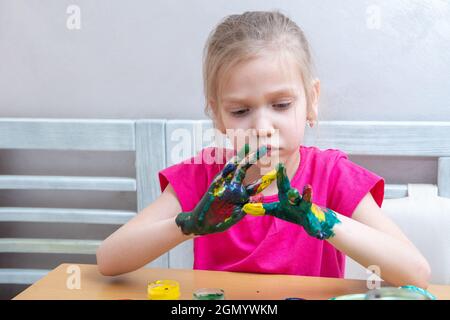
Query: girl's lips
271	149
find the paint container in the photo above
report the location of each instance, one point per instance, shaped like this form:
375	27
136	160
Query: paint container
163	290
358	296
209	294
390	293
421	291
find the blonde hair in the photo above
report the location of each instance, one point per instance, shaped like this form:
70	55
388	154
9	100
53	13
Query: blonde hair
239	37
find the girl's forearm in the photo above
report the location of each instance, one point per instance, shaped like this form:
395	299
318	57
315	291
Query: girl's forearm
399	263
128	250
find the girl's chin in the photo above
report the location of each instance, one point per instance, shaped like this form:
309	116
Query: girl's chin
268	163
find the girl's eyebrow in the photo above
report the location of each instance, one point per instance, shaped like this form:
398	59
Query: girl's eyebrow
273	94
280	92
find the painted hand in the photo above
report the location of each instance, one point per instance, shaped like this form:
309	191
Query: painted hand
317	221
221	206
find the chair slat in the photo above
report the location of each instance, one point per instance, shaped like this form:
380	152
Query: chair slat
68	246
150	158
393	191
444	177
177	132
383	138
64	215
67	183
76	134
21	276
67	134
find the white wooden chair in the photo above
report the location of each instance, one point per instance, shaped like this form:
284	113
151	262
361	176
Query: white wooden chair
145	137
367	138
153	141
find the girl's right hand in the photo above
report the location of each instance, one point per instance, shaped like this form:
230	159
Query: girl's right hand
221	206
317	221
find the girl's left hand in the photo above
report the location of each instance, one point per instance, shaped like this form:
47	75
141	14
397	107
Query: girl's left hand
317	221
221	206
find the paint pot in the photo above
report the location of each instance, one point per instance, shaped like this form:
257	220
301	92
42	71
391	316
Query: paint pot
392	293
209	294
358	296
163	290
421	291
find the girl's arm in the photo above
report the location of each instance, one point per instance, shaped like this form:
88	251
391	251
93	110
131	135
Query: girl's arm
148	235
162	226
371	238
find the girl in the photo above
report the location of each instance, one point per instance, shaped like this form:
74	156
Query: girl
258	77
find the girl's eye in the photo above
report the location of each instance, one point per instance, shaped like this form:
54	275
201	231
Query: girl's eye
238	113
283	105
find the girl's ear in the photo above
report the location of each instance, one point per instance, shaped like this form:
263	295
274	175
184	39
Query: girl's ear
315	94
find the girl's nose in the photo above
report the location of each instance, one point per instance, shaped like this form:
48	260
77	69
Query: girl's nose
263	132
262	126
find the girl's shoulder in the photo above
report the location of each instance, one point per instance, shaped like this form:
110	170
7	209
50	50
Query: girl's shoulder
343	181
325	158
190	177
327	153
208	158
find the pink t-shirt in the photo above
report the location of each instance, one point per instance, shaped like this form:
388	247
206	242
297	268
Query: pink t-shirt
267	244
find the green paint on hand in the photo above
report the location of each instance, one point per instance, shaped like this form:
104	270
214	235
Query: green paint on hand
317	221
221	205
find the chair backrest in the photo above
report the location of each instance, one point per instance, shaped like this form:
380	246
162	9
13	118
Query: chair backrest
368	138
144	137
153	142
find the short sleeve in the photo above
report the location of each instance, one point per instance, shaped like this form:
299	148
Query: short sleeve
188	179
349	183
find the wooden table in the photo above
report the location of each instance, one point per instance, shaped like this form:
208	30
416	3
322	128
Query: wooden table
236	285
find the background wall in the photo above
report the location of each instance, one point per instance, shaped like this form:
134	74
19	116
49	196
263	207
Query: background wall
377	60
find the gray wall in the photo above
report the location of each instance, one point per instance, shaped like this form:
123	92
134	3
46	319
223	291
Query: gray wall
377	60
138	59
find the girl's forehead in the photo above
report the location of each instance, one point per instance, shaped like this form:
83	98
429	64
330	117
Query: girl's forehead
261	75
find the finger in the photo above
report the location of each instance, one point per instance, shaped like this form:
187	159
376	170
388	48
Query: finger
227	172
261	209
262	183
226	175
247	162
242	153
283	183
231	165
217	184
293	196
307	193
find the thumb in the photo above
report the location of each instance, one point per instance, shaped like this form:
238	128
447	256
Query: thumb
307	193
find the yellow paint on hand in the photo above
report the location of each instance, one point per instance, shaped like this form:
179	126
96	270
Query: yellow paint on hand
218	191
267	179
254	209
318	212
